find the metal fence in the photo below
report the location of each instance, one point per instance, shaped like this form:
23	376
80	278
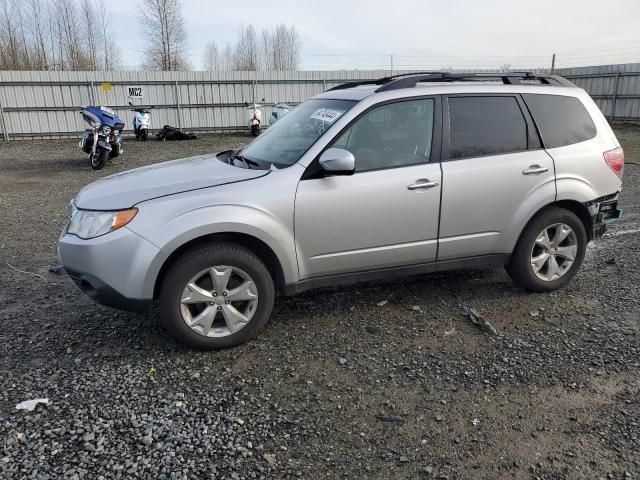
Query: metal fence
615	88
46	104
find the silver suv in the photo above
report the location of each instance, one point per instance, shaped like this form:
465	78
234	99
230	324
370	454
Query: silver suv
400	176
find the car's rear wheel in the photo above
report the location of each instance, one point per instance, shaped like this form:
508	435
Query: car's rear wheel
216	296
550	251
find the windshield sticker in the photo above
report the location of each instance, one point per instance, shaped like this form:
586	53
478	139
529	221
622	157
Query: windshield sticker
326	115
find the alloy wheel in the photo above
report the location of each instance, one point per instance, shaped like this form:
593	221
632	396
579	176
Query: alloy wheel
219	301
554	252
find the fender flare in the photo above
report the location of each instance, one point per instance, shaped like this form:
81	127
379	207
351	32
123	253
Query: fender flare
104	144
193	225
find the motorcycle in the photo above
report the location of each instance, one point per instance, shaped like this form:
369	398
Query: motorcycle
104	139
255	118
281	109
141	122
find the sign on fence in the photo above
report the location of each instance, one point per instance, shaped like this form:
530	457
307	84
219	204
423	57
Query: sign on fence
136	92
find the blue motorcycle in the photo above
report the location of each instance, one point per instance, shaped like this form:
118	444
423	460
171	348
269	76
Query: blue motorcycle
104	139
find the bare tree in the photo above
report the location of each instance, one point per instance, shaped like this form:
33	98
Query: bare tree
227	59
294	49
286	48
92	34
266	51
110	51
211	57
68	32
246	50
10	48
277	49
38	28
163	26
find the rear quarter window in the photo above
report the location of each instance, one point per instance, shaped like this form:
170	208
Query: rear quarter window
561	120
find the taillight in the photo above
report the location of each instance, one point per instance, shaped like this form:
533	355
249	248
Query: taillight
615	160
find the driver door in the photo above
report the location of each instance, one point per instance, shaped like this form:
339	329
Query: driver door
385	214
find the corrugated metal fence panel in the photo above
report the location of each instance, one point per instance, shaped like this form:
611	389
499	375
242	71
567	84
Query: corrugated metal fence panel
47	103
615	88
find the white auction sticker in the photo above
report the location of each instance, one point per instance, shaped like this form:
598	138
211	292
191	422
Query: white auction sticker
326	115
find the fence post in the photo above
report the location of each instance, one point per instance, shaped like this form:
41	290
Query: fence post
178	106
92	92
5	134
615	97
253	88
324	84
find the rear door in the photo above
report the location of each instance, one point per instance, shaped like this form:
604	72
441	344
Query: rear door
495	174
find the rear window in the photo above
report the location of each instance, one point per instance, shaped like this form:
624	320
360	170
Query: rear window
561	120
482	126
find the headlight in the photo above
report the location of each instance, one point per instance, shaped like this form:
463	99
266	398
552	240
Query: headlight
90	223
105	130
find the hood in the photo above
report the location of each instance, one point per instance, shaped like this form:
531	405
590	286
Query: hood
126	189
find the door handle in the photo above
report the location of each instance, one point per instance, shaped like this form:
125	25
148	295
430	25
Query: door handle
423	183
534	169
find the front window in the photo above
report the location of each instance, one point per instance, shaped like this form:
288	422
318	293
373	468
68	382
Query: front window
284	143
393	135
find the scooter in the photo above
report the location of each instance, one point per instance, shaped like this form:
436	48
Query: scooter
104	139
255	118
141	122
281	109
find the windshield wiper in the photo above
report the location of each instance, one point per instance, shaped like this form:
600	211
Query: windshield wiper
247	161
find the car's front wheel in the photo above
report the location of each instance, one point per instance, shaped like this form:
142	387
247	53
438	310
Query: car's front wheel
216	296
550	251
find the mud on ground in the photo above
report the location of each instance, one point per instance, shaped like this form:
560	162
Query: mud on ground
337	386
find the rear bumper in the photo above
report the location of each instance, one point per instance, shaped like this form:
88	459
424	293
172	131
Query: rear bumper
604	211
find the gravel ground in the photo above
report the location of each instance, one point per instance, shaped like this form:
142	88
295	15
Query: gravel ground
387	380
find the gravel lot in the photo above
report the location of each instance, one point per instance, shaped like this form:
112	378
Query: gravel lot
386	380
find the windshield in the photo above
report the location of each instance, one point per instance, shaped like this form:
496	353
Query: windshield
285	142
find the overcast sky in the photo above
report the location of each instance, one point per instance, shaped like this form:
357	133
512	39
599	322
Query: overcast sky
418	33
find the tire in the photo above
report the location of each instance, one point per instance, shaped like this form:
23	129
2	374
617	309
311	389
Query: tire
115	151
175	314
255	130
98	161
552	256
144	135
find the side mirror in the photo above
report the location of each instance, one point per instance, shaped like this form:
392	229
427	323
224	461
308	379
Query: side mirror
338	161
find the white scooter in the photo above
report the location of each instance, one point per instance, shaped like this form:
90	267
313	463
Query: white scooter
141	122
280	110
255	118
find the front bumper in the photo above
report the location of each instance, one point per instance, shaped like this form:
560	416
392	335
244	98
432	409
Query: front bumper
106	295
112	269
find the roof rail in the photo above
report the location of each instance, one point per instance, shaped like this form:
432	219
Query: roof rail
410	80
379	81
